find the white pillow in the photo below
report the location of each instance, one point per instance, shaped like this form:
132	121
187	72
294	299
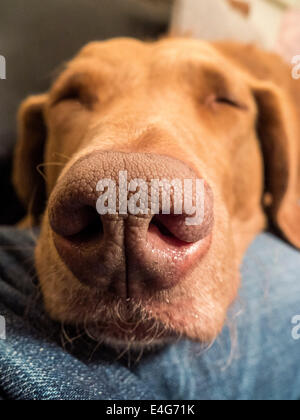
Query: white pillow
212	20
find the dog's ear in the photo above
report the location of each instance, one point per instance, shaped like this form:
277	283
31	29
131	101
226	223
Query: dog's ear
29	153
278	126
279	134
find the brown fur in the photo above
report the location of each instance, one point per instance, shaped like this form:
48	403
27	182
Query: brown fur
128	96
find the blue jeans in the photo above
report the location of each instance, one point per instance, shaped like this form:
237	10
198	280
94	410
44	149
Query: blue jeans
255	357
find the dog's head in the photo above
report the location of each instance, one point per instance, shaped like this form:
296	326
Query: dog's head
176	109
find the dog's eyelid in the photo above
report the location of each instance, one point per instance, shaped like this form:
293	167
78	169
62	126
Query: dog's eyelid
71	95
226	100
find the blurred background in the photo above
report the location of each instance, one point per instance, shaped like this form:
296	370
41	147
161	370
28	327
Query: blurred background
36	37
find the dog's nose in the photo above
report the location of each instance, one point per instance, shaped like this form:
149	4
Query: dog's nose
131	224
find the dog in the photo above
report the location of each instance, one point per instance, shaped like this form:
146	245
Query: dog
175	108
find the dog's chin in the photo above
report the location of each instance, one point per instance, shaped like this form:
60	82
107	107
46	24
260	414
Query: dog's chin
125	324
126	340
135	346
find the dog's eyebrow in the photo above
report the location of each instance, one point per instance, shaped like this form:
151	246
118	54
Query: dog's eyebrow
207	77
216	79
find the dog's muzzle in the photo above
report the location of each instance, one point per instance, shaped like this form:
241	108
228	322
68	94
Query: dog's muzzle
117	225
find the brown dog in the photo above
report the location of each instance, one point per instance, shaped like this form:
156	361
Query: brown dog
176	108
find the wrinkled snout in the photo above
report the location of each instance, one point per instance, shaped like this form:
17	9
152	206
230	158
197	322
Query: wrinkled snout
131	224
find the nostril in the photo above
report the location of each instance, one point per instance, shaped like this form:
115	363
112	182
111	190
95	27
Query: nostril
91	231
156	223
174	227
79	239
80	222
170	229
186	228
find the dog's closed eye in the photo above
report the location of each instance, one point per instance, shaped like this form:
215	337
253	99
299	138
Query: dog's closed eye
75	94
221	91
75	89
226	100
71	94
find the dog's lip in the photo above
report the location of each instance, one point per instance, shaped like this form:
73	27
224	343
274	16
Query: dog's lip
180	254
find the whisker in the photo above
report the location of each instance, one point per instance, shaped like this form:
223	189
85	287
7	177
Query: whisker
44	165
65	334
97	346
61	155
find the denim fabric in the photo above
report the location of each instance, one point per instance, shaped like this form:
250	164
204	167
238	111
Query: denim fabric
254	358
